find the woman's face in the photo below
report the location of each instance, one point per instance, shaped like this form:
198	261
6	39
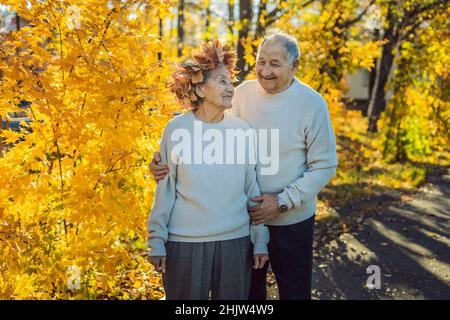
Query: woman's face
218	89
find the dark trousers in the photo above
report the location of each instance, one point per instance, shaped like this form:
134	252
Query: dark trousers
291	255
195	268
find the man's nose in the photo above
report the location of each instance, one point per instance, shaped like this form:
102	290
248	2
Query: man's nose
265	71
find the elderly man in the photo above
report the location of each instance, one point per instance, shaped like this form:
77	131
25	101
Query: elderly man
307	162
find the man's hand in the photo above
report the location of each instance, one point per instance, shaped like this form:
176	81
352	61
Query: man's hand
159	262
259	260
266	210
158	171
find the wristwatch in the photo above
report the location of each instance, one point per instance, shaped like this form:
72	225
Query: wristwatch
282	205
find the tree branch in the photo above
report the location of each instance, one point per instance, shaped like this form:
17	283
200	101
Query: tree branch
359	17
274	14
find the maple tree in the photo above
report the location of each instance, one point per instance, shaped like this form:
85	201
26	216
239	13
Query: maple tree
417	122
402	20
74	189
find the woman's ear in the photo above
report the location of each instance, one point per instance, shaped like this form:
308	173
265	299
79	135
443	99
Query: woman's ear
199	91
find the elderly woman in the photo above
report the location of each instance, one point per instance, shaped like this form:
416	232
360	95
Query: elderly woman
199	232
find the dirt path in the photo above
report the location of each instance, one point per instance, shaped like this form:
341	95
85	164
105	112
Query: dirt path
406	236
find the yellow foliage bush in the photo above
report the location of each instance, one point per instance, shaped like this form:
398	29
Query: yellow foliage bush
75	190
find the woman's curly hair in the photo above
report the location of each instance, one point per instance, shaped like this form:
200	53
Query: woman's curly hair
192	73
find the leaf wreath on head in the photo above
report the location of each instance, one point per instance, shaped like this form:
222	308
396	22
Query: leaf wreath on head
190	74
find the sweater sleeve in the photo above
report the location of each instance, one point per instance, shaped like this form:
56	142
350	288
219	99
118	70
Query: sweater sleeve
163	203
321	159
259	234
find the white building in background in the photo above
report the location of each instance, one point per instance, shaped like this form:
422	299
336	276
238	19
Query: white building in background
358	84
358	94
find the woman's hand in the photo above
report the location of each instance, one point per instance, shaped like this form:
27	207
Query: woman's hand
158	171
159	262
259	260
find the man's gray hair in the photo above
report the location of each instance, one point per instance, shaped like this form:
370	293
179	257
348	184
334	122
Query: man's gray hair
289	43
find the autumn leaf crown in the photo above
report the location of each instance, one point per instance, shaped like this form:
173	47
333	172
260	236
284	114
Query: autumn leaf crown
192	73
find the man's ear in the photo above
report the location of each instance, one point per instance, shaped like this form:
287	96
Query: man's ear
199	91
295	65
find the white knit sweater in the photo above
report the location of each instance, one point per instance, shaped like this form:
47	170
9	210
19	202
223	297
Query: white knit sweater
202	202
307	146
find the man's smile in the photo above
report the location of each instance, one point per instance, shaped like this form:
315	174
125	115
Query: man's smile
271	78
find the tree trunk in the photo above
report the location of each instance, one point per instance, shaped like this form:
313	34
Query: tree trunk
180	27
160	38
231	21
17	22
372	75
245	12
259	31
377	102
207	20
1	138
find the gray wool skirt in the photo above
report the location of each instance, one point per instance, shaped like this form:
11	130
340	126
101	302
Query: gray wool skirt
199	270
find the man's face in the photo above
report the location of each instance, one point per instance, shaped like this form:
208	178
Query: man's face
273	70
